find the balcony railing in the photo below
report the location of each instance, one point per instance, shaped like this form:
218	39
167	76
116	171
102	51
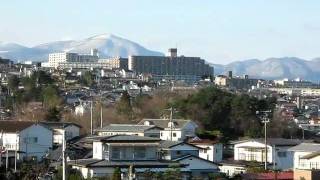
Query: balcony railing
309	165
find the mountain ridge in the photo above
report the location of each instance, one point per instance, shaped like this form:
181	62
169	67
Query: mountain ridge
274	68
109	45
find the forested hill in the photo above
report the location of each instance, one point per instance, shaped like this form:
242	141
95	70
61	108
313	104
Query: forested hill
232	115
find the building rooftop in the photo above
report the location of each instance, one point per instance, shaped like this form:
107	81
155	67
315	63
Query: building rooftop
197	140
123	138
306	147
169	144
273	141
126	128
163	123
137	164
59	124
15	126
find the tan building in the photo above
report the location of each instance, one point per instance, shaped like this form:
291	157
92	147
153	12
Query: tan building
306	174
66	57
115	63
221	80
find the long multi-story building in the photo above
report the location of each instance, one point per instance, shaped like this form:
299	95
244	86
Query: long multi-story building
172	66
116	62
65	57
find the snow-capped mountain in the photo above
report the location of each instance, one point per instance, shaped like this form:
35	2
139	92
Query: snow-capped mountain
108	45
274	68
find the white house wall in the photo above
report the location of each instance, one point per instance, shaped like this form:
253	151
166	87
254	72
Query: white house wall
242	153
232	170
166	135
10	140
280	162
97	149
211	152
312	163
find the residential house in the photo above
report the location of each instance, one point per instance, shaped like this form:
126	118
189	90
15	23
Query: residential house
210	150
122	151
71	130
311	106
301	120
129	129
310	127
278	154
30	139
171	150
197	168
306	156
232	167
80	109
175	130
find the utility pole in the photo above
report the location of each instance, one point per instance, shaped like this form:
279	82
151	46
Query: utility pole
171	124
172	110
91	123
63	155
7	159
101	117
1	148
16	152
265	119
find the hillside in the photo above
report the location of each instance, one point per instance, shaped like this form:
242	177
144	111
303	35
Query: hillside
108	45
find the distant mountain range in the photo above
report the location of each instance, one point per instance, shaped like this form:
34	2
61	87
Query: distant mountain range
274	68
108	45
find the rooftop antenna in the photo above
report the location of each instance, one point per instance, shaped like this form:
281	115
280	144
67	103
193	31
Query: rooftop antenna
172	110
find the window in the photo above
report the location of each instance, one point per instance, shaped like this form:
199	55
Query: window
174	134
115	153
139	152
178	152
282	154
30	140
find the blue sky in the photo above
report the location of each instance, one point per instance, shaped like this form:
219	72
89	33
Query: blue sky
220	31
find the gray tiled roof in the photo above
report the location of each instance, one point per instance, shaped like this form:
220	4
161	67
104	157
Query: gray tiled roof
15	126
126	128
123	138
163	123
307	147
274	141
58	124
168	144
106	163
